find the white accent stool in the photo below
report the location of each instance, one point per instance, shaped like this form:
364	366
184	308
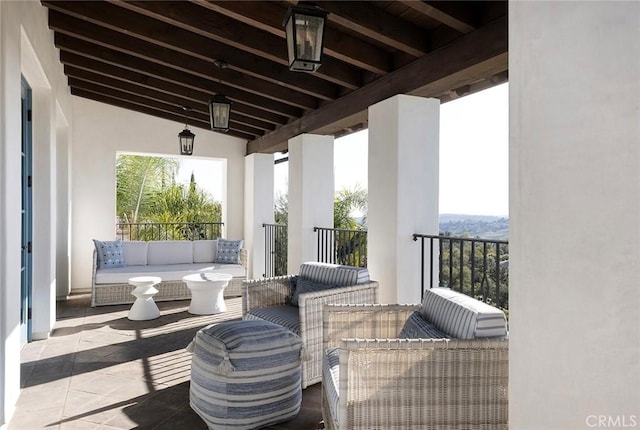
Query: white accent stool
207	292
144	308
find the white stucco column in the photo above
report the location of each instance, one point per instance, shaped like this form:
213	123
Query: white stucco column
311	195
63	206
258	195
403	191
574	300
44	213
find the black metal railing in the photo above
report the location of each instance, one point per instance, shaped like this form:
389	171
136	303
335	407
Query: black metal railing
476	267
275	249
342	246
169	230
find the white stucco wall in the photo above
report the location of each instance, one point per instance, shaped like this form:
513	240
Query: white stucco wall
100	132
26	47
575	215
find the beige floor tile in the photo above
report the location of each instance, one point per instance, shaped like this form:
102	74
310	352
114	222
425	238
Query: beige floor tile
100	371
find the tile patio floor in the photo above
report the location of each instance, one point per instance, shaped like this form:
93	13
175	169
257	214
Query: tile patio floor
98	370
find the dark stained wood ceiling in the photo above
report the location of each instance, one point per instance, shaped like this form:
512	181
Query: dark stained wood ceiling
157	56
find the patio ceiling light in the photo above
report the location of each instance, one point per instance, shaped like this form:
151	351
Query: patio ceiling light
219	111
304	27
185	137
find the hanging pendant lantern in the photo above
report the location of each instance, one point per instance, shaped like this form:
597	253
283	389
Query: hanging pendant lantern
219	111
186	137
304	27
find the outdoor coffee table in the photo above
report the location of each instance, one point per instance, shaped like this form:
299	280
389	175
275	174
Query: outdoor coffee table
207	292
144	308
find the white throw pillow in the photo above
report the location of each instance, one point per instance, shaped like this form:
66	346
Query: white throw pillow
205	251
135	253
170	252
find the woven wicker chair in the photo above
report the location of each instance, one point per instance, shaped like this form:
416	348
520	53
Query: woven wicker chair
373	379
273	295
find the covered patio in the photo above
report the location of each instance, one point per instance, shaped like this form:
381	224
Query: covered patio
110	77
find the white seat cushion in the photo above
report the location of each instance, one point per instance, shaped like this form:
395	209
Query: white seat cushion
169	272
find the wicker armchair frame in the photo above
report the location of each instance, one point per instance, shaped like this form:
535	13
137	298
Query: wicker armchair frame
411	383
258	293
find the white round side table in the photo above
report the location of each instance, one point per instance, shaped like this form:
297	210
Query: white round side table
207	292
144	308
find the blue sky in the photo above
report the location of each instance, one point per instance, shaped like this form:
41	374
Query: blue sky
474	157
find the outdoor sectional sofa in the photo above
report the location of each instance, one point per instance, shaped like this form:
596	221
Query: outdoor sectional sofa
171	261
439	365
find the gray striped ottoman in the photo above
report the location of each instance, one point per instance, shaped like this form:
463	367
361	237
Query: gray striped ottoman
245	374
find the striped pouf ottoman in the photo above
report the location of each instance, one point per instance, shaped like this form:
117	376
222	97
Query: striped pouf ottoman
245	374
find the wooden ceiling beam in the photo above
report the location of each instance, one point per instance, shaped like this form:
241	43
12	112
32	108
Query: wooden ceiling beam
177	117
237	35
78	62
196	104
68	43
84	30
473	50
165	35
268	16
461	19
144	100
377	24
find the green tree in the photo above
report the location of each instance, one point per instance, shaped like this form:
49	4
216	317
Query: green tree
281	210
147	192
138	179
347	202
180	203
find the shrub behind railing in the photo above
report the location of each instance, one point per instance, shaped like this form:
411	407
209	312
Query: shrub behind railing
476	267
275	252
342	246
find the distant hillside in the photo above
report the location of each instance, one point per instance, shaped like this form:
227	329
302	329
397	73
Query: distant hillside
485	227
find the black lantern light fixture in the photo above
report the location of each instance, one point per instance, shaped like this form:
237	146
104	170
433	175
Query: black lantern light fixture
304	26
219	111
185	137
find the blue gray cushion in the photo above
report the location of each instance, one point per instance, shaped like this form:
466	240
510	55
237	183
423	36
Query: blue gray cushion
334	274
228	251
461	316
293	283
245	374
286	316
109	253
306	286
417	328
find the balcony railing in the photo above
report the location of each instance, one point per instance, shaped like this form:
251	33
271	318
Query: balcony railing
342	246
169	230
275	253
476	267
